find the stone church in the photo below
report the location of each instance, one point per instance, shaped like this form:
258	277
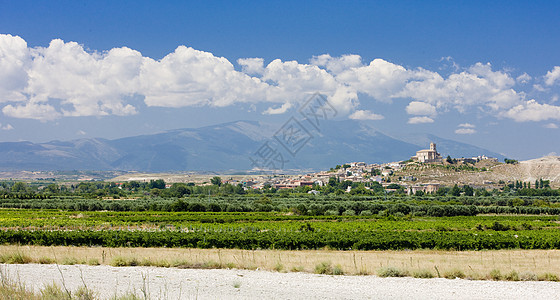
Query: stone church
428	155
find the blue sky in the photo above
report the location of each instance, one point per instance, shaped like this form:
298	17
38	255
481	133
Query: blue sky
487	73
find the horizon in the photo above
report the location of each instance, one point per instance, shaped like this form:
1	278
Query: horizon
139	68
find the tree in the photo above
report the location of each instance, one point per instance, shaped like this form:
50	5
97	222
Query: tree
469	191
157	184
216	180
456	191
449	160
19	187
510	161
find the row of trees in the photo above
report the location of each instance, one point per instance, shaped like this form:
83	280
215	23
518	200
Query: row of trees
159	188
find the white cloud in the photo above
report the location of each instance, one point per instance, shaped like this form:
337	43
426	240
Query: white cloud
523	78
252	65
280	110
465	128
80	132
465	131
420	120
533	111
14	58
337	65
64	80
365	115
551	126
420	108
552	76
467	125
380	79
479	86
43	112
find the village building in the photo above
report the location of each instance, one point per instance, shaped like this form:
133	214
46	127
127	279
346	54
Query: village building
428	188
428	155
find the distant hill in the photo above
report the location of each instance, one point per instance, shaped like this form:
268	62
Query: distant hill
228	146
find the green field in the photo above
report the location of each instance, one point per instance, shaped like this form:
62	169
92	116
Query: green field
276	230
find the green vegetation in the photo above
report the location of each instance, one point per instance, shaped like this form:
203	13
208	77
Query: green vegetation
221	215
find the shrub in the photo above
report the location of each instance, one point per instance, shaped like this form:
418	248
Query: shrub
15	258
548	277
278	267
69	261
423	274
93	262
45	260
512	276
324	268
495	275
297	269
528	276
366	213
349	212
53	291
454	274
392	272
337	270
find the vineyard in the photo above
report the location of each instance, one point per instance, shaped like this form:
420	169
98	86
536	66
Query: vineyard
225	216
277	230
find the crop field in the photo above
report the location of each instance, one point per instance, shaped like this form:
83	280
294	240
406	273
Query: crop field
277	230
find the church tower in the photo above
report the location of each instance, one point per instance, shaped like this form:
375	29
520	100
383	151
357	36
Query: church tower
433	146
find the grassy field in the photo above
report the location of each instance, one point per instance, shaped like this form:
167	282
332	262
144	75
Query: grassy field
495	264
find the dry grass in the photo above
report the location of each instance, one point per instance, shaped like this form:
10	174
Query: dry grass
470	264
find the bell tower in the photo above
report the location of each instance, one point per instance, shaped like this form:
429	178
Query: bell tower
433	146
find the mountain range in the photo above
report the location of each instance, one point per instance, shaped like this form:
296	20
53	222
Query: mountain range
241	145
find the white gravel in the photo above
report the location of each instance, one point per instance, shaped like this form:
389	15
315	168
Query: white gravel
170	283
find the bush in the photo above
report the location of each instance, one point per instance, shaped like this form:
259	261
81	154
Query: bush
337	270
46	260
331	212
495	274
349	212
528	276
392	272
324	268
15	258
423	274
454	274
548	277
512	276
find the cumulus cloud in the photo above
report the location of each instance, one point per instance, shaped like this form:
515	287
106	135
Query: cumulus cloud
65	80
551	126
465	128
533	111
280	110
523	78
420	120
337	65
479	86
552	76
251	65
465	131
365	115
420	108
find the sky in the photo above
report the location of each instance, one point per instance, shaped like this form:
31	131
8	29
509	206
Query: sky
482	72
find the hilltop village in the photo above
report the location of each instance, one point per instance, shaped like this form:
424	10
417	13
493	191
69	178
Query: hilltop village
392	176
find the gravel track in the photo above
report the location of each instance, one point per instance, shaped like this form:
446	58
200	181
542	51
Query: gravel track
171	283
